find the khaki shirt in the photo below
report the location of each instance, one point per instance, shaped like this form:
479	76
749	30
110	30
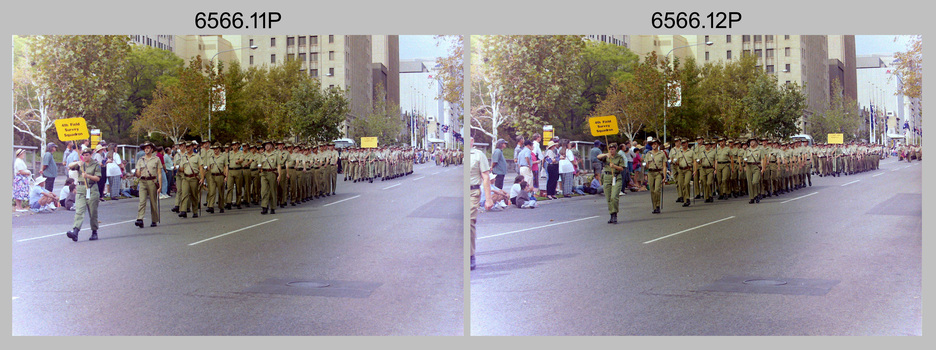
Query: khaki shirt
151	167
656	161
479	165
190	164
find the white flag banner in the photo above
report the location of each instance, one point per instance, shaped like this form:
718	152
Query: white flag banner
676	99
219	104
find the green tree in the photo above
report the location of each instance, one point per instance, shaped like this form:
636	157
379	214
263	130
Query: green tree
383	122
83	74
179	108
842	117
316	114
538	73
33	116
910	68
452	72
600	63
772	110
636	99
145	68
723	87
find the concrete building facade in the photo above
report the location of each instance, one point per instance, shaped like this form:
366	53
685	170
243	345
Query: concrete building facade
879	86
620	40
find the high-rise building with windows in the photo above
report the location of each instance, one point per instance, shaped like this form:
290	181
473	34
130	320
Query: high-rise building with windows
620	40
165	42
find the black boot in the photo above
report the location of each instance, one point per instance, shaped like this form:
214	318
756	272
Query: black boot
152	224
194	214
139	223
272	211
221	210
679	200
93	236
174	209
264	211
757	199
183	215
210	210
686	203
73	234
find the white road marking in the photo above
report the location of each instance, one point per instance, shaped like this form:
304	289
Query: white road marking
539	227
843	185
688	229
62	233
436	173
418	178
235	231
793	199
346	199
392	186
877	175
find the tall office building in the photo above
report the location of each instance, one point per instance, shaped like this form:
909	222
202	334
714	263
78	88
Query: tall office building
803	59
879	86
620	40
165	42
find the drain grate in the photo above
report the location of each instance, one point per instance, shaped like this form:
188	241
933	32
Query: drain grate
759	285
322	288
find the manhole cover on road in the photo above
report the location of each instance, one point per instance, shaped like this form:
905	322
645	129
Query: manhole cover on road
762	282
308	284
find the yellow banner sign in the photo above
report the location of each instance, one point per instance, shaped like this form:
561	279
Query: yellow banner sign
601	126
71	129
368	142
836	139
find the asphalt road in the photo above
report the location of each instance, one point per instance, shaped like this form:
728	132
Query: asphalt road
382	258
843	257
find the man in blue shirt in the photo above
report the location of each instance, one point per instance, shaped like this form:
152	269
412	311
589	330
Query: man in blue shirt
49	168
499	166
41	199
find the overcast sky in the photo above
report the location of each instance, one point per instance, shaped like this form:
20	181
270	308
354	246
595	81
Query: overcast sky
421	46
880	44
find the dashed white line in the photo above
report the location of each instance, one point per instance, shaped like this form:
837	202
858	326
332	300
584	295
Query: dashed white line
846	184
793	199
877	175
688	229
62	233
392	186
346	199
418	178
436	173
539	227
235	231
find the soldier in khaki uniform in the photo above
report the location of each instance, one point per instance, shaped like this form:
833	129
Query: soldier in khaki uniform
235	186
87	193
178	175
655	163
755	159
192	168
270	172
673	157
723	168
614	165
685	163
148	170
706	160
218	172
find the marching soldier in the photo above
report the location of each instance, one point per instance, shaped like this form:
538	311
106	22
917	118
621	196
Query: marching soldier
333	168
218	172
192	168
148	170
706	160
674	155
723	168
687	167
656	173
270	172
88	194
235	186
178	175
756	162
614	164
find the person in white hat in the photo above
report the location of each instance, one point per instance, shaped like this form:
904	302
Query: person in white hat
40	199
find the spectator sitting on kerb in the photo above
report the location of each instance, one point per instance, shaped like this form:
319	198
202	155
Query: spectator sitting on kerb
524	199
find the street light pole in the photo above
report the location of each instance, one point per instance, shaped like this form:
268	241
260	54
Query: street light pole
210	104
665	95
